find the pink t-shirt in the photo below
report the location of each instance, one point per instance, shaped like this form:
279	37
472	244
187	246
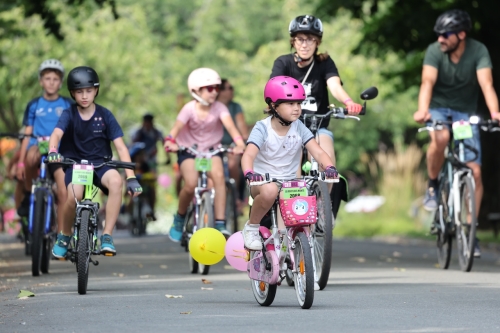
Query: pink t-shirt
205	133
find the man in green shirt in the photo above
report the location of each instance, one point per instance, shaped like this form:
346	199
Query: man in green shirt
455	67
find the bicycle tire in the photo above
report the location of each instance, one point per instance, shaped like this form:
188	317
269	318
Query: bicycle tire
207	220
303	271
46	254
465	230
444	237
83	252
231	212
38	233
263	292
322	233
135	226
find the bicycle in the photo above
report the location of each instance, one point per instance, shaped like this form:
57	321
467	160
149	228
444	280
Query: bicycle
83	243
142	211
200	213
289	249
322	231
456	213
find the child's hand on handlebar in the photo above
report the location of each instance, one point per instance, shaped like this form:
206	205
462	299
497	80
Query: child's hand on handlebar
253	177
171	146
238	150
54	157
331	172
133	186
421	116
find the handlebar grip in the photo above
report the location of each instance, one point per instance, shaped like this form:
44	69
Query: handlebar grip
363	111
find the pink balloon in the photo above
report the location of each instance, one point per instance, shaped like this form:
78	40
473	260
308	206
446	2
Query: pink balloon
9	215
236	254
164	180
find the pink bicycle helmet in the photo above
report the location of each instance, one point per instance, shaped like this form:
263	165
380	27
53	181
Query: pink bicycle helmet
283	89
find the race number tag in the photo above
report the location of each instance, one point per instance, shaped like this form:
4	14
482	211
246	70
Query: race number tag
462	130
203	164
294	189
82	174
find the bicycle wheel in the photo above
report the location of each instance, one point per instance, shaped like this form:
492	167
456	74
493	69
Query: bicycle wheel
444	237
303	271
466	226
231	212
38	233
206	220
83	252
322	234
263	292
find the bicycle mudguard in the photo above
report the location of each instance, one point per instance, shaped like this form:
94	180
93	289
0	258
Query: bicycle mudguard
257	268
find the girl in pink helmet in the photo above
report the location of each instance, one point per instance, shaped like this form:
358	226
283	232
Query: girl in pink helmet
201	122
275	147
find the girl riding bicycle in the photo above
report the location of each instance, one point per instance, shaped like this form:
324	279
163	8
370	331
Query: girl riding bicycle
274	147
200	122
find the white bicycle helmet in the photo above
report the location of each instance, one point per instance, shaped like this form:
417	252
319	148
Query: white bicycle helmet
52	64
202	77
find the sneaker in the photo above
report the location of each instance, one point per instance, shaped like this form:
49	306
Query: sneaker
222	228
477	249
251	237
175	233
61	246
107	245
430	200
316	286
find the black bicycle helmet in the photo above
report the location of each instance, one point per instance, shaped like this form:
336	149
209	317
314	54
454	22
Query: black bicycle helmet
306	24
454	20
82	77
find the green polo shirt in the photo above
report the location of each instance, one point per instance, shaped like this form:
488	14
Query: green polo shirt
457	87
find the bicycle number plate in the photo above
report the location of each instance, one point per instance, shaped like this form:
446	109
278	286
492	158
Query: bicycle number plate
203	164
294	189
82	174
462	130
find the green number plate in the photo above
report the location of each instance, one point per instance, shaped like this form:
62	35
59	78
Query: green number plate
203	164
462	131
82	174
293	192
43	147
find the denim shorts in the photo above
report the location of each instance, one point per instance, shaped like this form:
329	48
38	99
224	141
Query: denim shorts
475	141
325	131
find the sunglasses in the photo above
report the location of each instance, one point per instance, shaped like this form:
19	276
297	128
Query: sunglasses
445	35
212	88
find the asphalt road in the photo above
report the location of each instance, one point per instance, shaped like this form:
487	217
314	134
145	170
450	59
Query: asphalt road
374	286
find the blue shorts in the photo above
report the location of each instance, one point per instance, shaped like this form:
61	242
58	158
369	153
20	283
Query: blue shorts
475	141
98	173
325	131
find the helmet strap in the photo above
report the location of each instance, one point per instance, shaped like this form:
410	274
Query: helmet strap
199	99
282	121
449	52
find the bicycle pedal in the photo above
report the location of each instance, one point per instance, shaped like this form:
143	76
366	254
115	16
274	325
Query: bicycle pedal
108	254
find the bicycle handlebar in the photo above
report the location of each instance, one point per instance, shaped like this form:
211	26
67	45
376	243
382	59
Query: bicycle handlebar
320	177
19	136
210	153
113	164
485	125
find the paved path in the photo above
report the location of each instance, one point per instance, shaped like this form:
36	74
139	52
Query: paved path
374	286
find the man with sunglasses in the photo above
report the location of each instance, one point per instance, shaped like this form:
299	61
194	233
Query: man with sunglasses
455	67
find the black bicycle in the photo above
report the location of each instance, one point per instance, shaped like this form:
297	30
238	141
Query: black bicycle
83	243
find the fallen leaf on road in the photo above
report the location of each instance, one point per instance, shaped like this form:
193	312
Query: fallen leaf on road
400	269
358	259
396	254
163	266
12	280
205	281
25	294
140	266
437	266
173	296
228	267
119	274
144	276
188	312
207	288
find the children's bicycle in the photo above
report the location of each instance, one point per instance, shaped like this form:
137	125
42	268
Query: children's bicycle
200	213
289	249
83	243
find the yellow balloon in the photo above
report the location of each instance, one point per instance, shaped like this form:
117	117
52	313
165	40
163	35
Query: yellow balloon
207	246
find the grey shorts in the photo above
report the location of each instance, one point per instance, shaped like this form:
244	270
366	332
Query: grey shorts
475	141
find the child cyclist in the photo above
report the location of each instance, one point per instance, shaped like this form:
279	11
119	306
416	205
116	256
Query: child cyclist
40	118
200	122
275	147
85	131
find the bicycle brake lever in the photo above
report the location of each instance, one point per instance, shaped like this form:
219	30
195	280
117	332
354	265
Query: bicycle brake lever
353	117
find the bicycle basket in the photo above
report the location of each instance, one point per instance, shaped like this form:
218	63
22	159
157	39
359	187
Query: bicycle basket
297	211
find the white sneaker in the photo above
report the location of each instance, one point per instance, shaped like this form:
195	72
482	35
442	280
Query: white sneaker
316	286
251	237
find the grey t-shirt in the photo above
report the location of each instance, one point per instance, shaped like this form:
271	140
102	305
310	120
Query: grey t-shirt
278	155
457	86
